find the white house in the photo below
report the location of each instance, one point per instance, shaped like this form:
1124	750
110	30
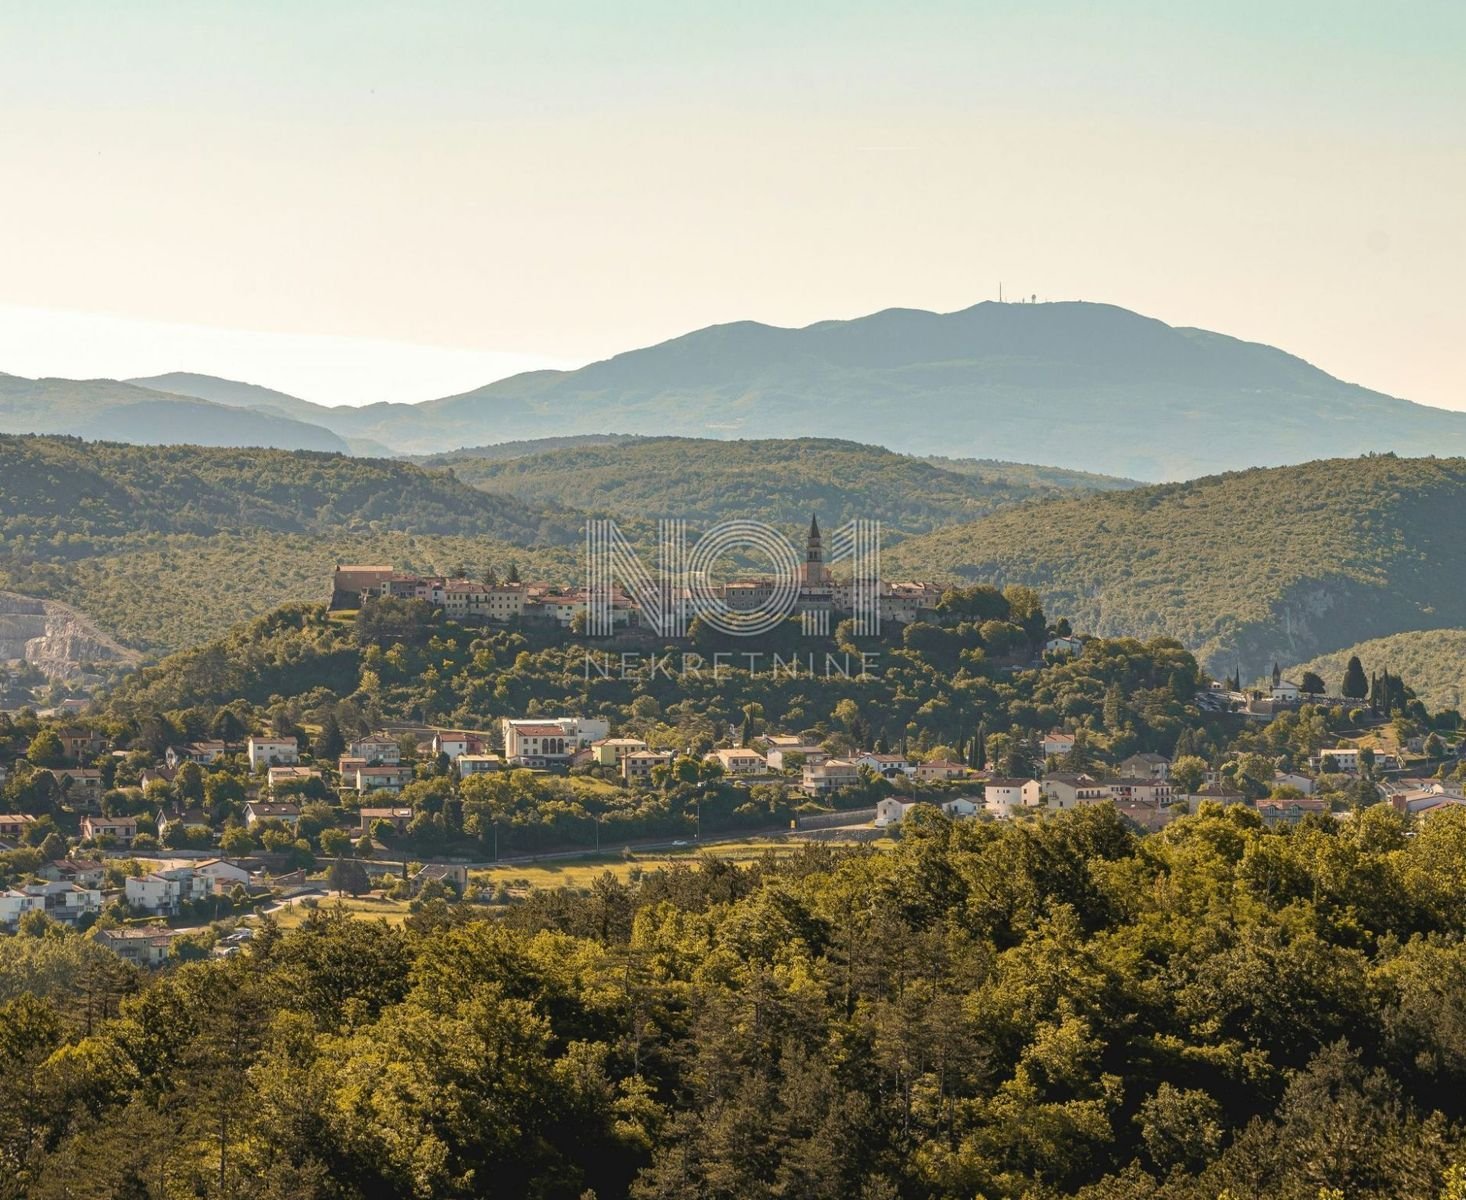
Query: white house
828	776
14	904
781	757
738	761
1145	792
1057	743
547	741
164	892
121	830
1070	791
377	750
1064	645
892	811
1156	766
1004	797
225	874
65	900
272	752
477	764
258	810
639	764
885	765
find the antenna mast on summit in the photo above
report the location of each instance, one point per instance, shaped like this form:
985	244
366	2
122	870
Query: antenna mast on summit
1000	291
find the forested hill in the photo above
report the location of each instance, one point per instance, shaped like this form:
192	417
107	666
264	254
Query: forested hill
776	480
1433	660
1246	568
54	489
164	547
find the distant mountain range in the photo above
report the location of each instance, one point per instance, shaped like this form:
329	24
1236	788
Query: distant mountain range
1086	386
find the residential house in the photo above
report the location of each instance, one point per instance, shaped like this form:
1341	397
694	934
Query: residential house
80	745
14	904
225	873
272	752
80	785
119	830
455	875
548	741
1289	812
1146	764
278	776
1217	793
940	770
1295	780
1064	646
892	810
146	946
783	754
164	892
64	900
399	818
477	764
887	766
256	811
382	779
739	761
637	766
960	806
1056	744
608	752
15	826
203	753
454	742
1157	793
828	776
1005	796
1145	817
376	750
1065	791
88	872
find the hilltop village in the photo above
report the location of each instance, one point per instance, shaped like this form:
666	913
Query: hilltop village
170	832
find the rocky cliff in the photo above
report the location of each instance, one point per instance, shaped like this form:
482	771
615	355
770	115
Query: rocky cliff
54	638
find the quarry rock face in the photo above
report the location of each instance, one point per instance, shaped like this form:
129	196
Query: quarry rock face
54	638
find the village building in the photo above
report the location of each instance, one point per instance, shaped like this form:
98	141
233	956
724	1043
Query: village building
256	811
477	764
1065	791
1002	797
120	831
272	752
739	761
828	776
399	818
637	766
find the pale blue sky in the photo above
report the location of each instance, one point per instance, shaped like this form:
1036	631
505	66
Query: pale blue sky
542	182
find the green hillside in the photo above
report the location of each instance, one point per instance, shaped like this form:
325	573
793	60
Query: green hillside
107	408
1246	568
164	546
777	480
1431	661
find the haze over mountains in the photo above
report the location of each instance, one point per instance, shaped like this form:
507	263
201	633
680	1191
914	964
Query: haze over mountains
1080	385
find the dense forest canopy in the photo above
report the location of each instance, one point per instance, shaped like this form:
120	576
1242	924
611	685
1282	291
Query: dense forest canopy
1246	569
1037	1011
775	480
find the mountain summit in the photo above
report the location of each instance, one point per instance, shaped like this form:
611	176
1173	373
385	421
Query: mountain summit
1088	386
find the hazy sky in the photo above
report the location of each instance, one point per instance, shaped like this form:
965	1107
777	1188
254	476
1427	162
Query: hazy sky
421	196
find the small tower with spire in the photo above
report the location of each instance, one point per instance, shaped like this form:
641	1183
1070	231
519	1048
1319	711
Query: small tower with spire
814	573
